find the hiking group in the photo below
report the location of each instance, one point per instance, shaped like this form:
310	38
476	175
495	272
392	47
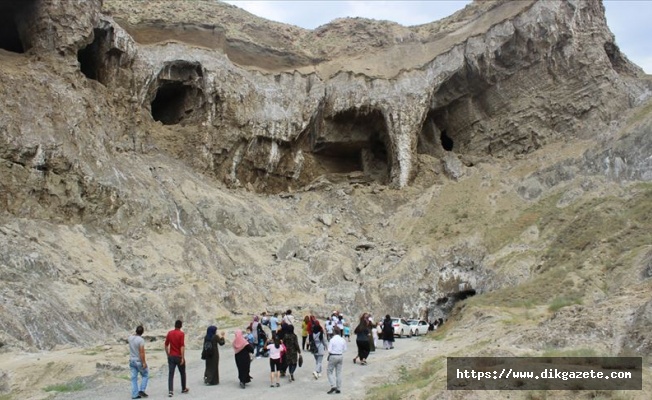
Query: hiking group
281	347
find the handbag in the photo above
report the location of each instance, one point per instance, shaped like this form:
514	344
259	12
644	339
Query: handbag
300	360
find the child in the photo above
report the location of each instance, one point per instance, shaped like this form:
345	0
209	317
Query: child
250	337
347	333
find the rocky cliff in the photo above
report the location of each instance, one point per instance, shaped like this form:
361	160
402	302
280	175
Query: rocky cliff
188	160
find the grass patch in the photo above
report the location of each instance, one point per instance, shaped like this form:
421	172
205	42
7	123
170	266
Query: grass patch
73	386
581	352
428	373
563	301
228	322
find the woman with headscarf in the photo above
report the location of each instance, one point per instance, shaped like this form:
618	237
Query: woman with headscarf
292	349
388	333
212	355
256	327
242	350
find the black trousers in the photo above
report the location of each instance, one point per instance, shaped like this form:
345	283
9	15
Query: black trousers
173	363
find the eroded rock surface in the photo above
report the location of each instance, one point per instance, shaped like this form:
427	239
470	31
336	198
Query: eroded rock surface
164	160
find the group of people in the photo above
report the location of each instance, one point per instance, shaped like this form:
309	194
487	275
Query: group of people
281	346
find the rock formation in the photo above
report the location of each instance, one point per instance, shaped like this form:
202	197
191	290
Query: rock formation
144	145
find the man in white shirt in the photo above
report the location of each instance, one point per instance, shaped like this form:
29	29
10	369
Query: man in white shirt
288	318
336	350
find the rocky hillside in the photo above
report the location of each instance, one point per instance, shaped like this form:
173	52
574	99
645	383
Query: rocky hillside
164	160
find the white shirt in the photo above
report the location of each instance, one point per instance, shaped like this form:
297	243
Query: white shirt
337	345
288	319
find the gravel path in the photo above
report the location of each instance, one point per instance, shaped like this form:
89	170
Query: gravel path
355	377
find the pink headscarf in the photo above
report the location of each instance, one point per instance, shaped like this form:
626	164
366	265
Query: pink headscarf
239	342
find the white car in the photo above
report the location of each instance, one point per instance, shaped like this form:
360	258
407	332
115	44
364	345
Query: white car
401	327
418	326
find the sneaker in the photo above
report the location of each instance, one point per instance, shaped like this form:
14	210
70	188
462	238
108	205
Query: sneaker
291	377
142	394
272	385
278	384
315	374
186	390
331	391
170	394
257	356
338	391
137	397
242	385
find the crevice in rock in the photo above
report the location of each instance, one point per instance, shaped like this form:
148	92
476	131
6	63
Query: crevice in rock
91	57
446	142
179	98
618	62
15	20
353	140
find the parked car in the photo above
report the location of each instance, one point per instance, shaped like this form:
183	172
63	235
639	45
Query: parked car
418	326
401	327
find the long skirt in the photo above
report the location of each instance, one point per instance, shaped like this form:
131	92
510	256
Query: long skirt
363	349
243	362
212	371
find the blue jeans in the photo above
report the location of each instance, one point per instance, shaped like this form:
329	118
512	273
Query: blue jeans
137	368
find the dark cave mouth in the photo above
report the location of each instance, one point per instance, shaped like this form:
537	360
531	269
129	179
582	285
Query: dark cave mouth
15	21
174	102
91	58
354	141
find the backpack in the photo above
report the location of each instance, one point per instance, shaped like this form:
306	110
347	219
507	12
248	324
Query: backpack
207	351
314	349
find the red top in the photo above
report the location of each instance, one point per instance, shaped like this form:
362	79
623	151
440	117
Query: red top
175	339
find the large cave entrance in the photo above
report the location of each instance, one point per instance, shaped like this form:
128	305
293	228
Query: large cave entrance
15	19
179	98
354	140
174	101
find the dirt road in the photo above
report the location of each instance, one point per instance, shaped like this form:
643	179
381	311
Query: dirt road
355	377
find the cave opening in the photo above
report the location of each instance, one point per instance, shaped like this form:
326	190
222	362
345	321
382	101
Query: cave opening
91	57
176	96
15	20
354	140
174	102
446	141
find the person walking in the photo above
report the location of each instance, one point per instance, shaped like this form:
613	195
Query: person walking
138	364
256	328
273	325
288	318
336	349
275	351
242	350
175	348
212	354
388	333
304	331
318	347
292	349
362	333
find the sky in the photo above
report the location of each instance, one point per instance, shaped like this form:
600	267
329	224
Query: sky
629	20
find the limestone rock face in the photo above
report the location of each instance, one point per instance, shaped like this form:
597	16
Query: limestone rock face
279	109
142	145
